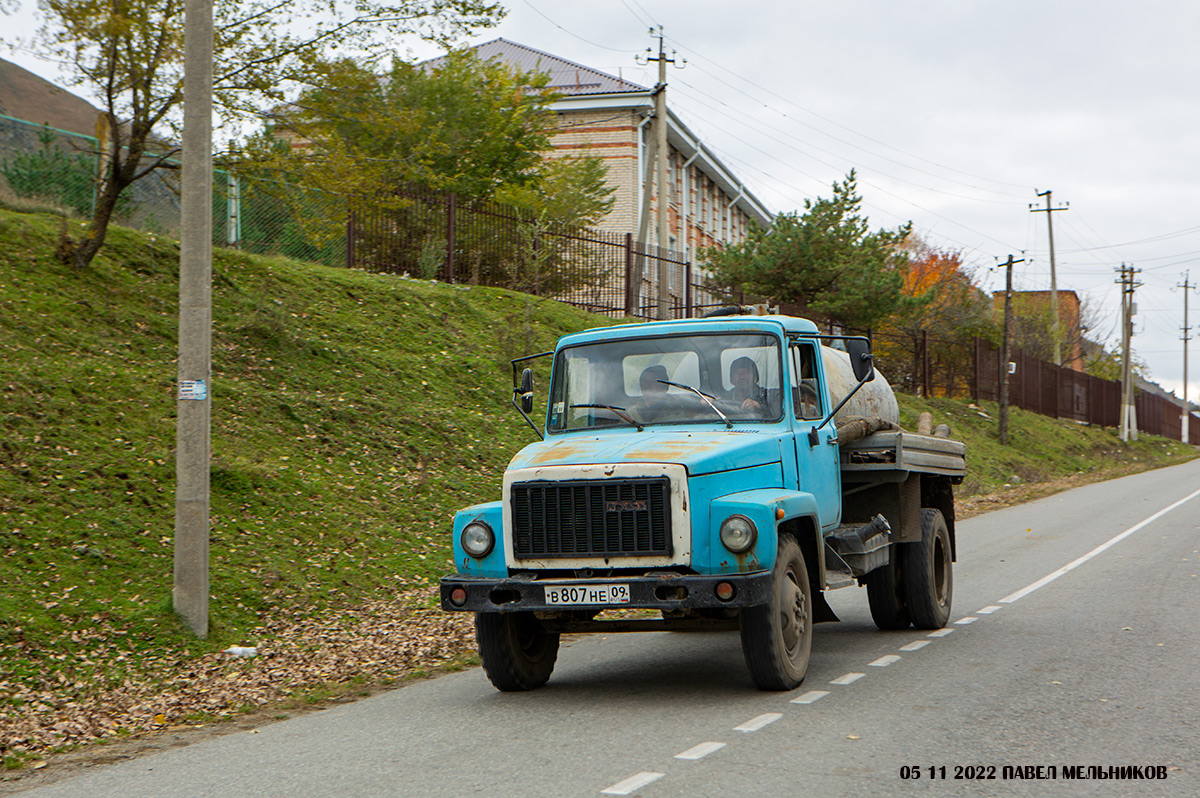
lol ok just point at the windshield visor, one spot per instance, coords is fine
(651, 380)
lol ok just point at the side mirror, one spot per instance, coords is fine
(527, 390)
(860, 359)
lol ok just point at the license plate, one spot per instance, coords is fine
(559, 595)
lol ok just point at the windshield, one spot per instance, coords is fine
(671, 380)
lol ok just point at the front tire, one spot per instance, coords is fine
(928, 581)
(777, 637)
(517, 651)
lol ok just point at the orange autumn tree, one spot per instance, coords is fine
(947, 308)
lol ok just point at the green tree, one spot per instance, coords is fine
(130, 53)
(64, 179)
(463, 125)
(571, 191)
(826, 259)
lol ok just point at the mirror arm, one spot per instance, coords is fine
(842, 403)
(517, 392)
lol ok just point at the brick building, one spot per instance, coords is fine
(599, 114)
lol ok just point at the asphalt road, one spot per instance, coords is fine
(1097, 667)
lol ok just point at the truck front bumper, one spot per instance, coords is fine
(666, 592)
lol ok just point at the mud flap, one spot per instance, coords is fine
(822, 612)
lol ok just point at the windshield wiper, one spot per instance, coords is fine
(616, 411)
(708, 400)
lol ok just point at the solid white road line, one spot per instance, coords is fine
(700, 751)
(754, 724)
(848, 678)
(810, 697)
(883, 662)
(634, 782)
(916, 645)
(1103, 547)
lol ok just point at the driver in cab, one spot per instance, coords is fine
(747, 394)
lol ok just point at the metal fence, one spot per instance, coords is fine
(435, 235)
(421, 233)
(1060, 392)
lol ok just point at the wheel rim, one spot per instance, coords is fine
(941, 572)
(531, 639)
(793, 613)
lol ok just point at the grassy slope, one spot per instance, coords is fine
(352, 414)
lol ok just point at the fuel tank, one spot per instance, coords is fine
(875, 398)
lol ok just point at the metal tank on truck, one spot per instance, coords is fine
(723, 473)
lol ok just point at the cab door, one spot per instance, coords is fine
(818, 469)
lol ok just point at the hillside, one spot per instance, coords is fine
(352, 413)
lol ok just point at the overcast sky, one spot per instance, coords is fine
(954, 112)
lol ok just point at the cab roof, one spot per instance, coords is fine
(779, 325)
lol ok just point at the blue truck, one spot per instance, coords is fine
(706, 474)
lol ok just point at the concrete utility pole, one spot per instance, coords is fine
(1055, 329)
(193, 408)
(662, 155)
(1185, 419)
(1128, 429)
(1004, 348)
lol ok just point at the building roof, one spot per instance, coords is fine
(566, 77)
(24, 95)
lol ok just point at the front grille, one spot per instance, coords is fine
(592, 518)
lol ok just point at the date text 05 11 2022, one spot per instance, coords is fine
(1010, 772)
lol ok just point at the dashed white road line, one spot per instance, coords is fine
(1103, 547)
(700, 751)
(883, 662)
(940, 633)
(916, 645)
(989, 609)
(633, 783)
(754, 724)
(810, 697)
(848, 678)
(967, 620)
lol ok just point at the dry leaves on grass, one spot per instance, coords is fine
(378, 641)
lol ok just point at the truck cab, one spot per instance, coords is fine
(688, 468)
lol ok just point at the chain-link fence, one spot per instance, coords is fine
(59, 170)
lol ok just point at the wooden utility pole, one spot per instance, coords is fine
(193, 402)
(1056, 328)
(1004, 348)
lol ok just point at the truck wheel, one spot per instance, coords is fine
(777, 637)
(928, 581)
(517, 651)
(885, 596)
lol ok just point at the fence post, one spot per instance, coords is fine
(687, 290)
(629, 274)
(975, 369)
(925, 364)
(451, 232)
(350, 237)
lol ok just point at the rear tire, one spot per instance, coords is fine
(777, 637)
(885, 596)
(517, 651)
(928, 581)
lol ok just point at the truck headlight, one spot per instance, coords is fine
(738, 533)
(477, 539)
